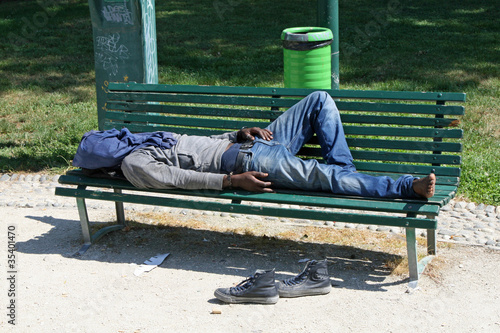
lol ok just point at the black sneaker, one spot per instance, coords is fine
(314, 280)
(258, 288)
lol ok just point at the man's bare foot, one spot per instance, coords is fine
(425, 187)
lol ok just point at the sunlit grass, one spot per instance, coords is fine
(47, 92)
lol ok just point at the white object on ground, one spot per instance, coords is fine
(150, 264)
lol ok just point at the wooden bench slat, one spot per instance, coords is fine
(137, 128)
(423, 109)
(400, 95)
(269, 115)
(445, 189)
(203, 99)
(400, 144)
(195, 110)
(405, 145)
(397, 120)
(181, 121)
(406, 157)
(406, 169)
(207, 122)
(443, 194)
(431, 109)
(403, 132)
(246, 100)
(452, 182)
(391, 156)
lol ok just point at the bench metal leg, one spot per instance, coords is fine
(120, 212)
(84, 220)
(411, 245)
(88, 237)
(417, 267)
(431, 242)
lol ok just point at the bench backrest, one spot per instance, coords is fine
(388, 132)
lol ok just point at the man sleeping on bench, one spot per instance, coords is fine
(260, 160)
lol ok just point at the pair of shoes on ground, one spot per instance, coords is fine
(262, 287)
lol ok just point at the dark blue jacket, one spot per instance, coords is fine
(107, 149)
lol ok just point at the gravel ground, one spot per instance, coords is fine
(98, 292)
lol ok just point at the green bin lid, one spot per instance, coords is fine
(307, 34)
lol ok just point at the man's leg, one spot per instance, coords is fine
(316, 113)
(288, 171)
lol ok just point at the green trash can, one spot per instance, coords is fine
(307, 57)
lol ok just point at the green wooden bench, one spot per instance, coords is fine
(390, 133)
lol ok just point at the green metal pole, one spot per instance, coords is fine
(124, 44)
(328, 17)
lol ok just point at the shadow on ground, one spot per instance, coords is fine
(217, 253)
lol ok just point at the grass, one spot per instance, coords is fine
(47, 93)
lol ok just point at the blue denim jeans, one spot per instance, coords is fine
(317, 113)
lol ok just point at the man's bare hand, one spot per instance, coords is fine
(250, 133)
(250, 181)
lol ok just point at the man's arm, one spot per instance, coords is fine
(231, 136)
(246, 134)
(144, 171)
(248, 181)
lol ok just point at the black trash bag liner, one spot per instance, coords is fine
(305, 46)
